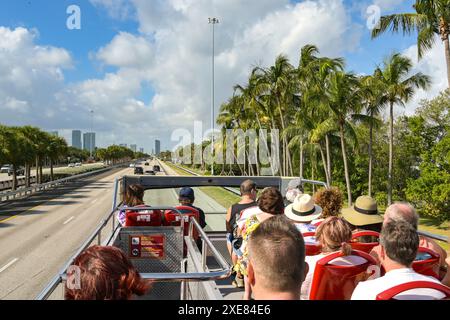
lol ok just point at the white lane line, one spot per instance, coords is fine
(94, 201)
(9, 264)
(68, 220)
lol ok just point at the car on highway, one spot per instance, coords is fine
(138, 170)
(5, 168)
(71, 165)
(147, 164)
(150, 172)
(78, 164)
(157, 168)
(133, 165)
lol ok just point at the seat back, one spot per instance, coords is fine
(429, 264)
(394, 291)
(144, 218)
(311, 248)
(361, 246)
(337, 282)
(172, 218)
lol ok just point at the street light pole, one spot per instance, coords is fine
(213, 21)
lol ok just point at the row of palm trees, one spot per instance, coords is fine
(29, 146)
(318, 102)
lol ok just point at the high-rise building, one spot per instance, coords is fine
(141, 150)
(157, 147)
(133, 147)
(89, 141)
(76, 139)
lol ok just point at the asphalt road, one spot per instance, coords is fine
(39, 235)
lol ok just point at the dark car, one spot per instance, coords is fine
(156, 169)
(19, 171)
(147, 164)
(150, 172)
(138, 170)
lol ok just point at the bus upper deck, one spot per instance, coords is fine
(169, 254)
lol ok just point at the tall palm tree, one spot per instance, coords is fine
(344, 101)
(56, 148)
(432, 17)
(398, 87)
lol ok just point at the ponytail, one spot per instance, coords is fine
(346, 249)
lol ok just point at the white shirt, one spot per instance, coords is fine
(368, 290)
(247, 213)
(312, 260)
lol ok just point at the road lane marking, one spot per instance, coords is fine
(68, 220)
(9, 264)
(94, 201)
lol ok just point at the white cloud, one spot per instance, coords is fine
(432, 64)
(118, 9)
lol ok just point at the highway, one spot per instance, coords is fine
(38, 235)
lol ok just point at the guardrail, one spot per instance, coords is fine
(7, 184)
(9, 195)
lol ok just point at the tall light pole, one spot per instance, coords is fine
(213, 21)
(92, 131)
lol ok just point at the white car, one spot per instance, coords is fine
(5, 168)
(78, 164)
(71, 165)
(132, 165)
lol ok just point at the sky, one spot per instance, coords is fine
(144, 66)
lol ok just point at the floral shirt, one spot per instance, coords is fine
(250, 225)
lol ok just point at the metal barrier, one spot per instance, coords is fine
(225, 272)
(36, 188)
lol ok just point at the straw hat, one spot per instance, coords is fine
(303, 209)
(363, 212)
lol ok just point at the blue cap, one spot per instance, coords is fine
(187, 193)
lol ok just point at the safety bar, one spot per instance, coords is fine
(434, 236)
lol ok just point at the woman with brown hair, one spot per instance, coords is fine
(270, 204)
(134, 197)
(330, 200)
(334, 235)
(105, 273)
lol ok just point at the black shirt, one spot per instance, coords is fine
(236, 210)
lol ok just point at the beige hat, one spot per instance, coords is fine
(363, 212)
(303, 209)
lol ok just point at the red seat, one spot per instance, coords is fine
(312, 249)
(392, 292)
(337, 282)
(143, 218)
(428, 267)
(365, 247)
(172, 218)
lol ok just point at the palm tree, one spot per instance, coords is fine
(398, 88)
(13, 148)
(56, 148)
(344, 101)
(432, 18)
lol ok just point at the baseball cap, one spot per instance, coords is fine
(187, 192)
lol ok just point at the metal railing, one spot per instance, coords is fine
(9, 195)
(225, 272)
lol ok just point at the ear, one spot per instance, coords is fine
(305, 273)
(251, 274)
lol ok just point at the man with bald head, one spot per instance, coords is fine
(403, 211)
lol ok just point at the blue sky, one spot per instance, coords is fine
(133, 51)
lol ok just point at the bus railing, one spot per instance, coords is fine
(223, 273)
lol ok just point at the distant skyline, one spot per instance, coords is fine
(143, 78)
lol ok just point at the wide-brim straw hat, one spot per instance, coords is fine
(363, 212)
(303, 209)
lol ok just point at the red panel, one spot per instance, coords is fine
(312, 249)
(429, 267)
(361, 246)
(147, 218)
(172, 218)
(336, 282)
(392, 292)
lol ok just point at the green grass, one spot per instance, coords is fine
(222, 197)
(78, 170)
(436, 227)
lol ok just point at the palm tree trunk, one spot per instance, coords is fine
(327, 146)
(391, 152)
(41, 176)
(51, 170)
(324, 162)
(370, 157)
(301, 158)
(344, 157)
(447, 58)
(14, 185)
(27, 175)
(37, 170)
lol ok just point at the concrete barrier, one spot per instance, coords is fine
(7, 184)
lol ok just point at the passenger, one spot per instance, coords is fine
(364, 215)
(248, 197)
(270, 203)
(106, 274)
(402, 211)
(293, 190)
(330, 200)
(333, 234)
(134, 197)
(446, 279)
(276, 260)
(302, 212)
(399, 244)
(187, 198)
